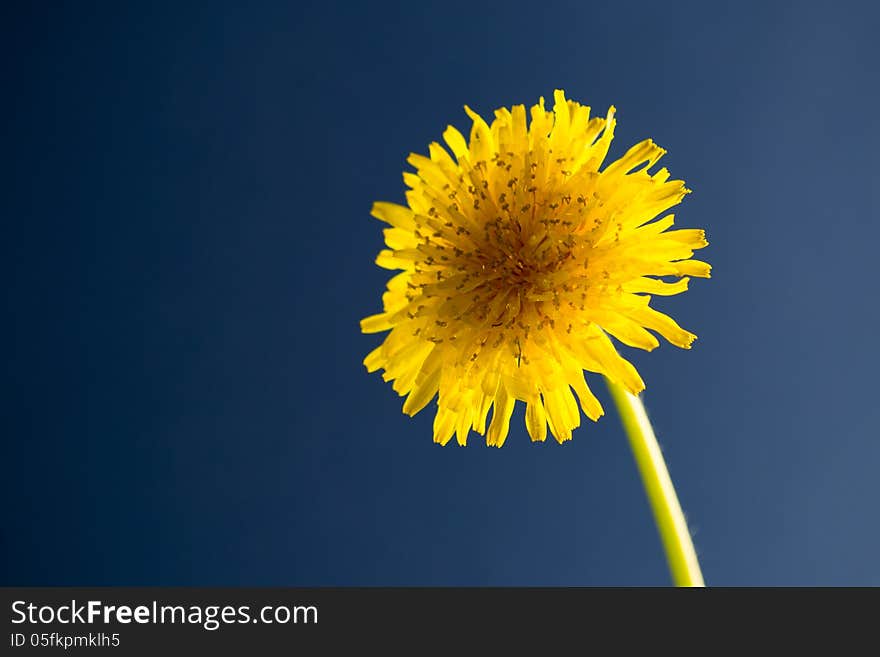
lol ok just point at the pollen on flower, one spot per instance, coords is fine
(519, 257)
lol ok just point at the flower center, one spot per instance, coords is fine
(513, 277)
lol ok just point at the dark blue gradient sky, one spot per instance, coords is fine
(187, 251)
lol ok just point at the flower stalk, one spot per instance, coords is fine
(670, 520)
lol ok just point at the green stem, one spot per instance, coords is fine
(670, 520)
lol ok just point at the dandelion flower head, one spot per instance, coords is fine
(520, 254)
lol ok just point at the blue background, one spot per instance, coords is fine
(187, 251)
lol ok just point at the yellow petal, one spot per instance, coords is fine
(422, 393)
(456, 143)
(501, 413)
(375, 323)
(696, 268)
(444, 425)
(536, 420)
(654, 286)
(664, 325)
(394, 214)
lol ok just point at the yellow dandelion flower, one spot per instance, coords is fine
(520, 255)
